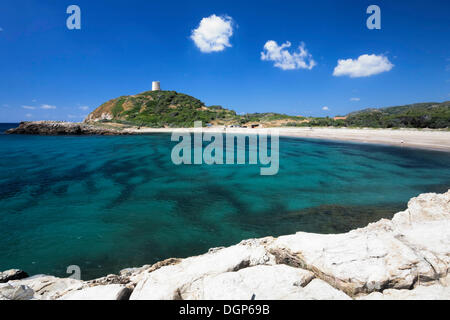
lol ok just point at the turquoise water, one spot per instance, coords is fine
(107, 203)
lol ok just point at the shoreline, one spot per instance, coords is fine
(407, 138)
(425, 139)
(407, 257)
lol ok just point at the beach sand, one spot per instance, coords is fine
(410, 138)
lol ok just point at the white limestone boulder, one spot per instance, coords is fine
(424, 208)
(108, 292)
(318, 289)
(15, 292)
(414, 246)
(49, 287)
(166, 282)
(440, 290)
(260, 283)
(425, 228)
(357, 261)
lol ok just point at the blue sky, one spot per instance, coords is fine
(51, 72)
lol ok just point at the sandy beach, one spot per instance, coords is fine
(410, 138)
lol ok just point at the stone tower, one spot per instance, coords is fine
(156, 86)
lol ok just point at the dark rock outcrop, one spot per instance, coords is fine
(61, 128)
(13, 274)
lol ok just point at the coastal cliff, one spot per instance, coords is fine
(407, 257)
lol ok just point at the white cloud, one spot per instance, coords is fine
(286, 60)
(355, 99)
(365, 66)
(28, 115)
(47, 107)
(84, 108)
(213, 33)
(29, 107)
(325, 108)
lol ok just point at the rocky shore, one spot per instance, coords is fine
(407, 257)
(61, 128)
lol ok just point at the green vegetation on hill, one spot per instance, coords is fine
(319, 122)
(173, 109)
(161, 108)
(267, 117)
(420, 115)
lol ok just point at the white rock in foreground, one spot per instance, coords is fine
(438, 291)
(108, 292)
(413, 247)
(19, 292)
(49, 287)
(320, 290)
(168, 282)
(280, 282)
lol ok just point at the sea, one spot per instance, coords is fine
(105, 203)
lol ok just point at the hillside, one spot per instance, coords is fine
(170, 109)
(419, 115)
(159, 109)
